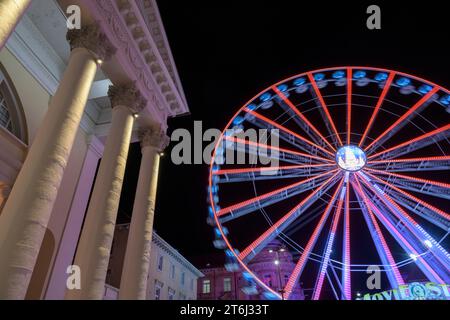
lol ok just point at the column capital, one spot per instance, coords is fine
(93, 39)
(127, 95)
(153, 137)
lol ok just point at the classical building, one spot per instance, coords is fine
(274, 265)
(170, 276)
(69, 98)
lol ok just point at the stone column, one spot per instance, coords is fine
(10, 13)
(133, 284)
(27, 211)
(96, 238)
(72, 230)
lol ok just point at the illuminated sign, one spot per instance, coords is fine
(413, 291)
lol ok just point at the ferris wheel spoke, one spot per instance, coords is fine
(287, 134)
(330, 123)
(393, 274)
(299, 267)
(346, 292)
(239, 209)
(386, 88)
(250, 251)
(425, 186)
(349, 103)
(414, 144)
(270, 173)
(330, 242)
(262, 150)
(409, 244)
(401, 122)
(412, 164)
(422, 208)
(305, 124)
(425, 240)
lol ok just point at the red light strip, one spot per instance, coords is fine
(275, 226)
(424, 136)
(424, 99)
(276, 125)
(434, 183)
(269, 194)
(443, 158)
(304, 119)
(403, 240)
(349, 103)
(312, 240)
(265, 146)
(378, 106)
(263, 169)
(397, 275)
(324, 106)
(442, 213)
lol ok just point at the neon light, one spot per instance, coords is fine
(440, 212)
(413, 109)
(403, 214)
(422, 137)
(326, 259)
(387, 251)
(312, 241)
(268, 194)
(434, 183)
(265, 146)
(442, 158)
(274, 227)
(264, 169)
(291, 105)
(346, 268)
(349, 103)
(324, 106)
(378, 106)
(276, 125)
(394, 230)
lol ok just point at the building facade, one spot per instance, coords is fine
(70, 97)
(170, 276)
(274, 265)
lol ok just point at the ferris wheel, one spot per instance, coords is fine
(358, 176)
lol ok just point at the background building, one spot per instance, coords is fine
(274, 265)
(170, 276)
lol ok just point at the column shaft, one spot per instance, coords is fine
(25, 216)
(133, 284)
(10, 13)
(96, 239)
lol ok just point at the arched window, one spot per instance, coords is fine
(11, 112)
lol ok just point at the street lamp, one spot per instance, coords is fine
(277, 262)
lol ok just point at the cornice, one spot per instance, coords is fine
(137, 52)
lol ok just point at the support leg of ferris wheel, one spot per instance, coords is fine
(392, 272)
(404, 239)
(415, 229)
(346, 274)
(330, 242)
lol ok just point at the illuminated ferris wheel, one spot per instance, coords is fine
(361, 178)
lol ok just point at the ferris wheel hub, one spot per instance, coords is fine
(351, 158)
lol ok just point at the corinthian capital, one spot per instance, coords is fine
(127, 95)
(91, 38)
(154, 137)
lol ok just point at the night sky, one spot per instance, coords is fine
(226, 52)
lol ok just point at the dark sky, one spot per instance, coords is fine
(226, 52)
